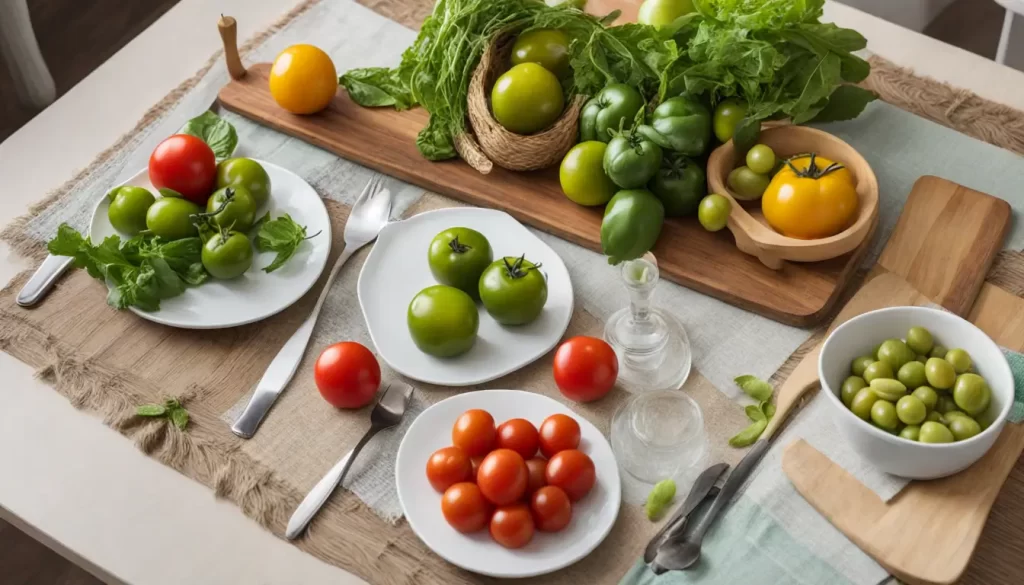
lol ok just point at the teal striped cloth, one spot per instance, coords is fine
(1016, 362)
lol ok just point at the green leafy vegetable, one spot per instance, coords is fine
(756, 388)
(760, 414)
(171, 409)
(214, 131)
(660, 497)
(281, 235)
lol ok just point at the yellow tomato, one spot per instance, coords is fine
(303, 79)
(811, 197)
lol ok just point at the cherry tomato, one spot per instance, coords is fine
(558, 432)
(572, 471)
(465, 508)
(474, 432)
(551, 508)
(535, 468)
(347, 375)
(447, 467)
(503, 476)
(585, 368)
(475, 462)
(512, 526)
(519, 435)
(186, 164)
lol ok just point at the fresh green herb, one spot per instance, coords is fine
(214, 131)
(756, 388)
(141, 271)
(749, 435)
(754, 412)
(171, 409)
(760, 414)
(281, 235)
(660, 497)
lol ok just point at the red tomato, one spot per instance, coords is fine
(519, 435)
(512, 526)
(475, 462)
(347, 375)
(186, 164)
(465, 508)
(551, 508)
(474, 432)
(572, 471)
(502, 476)
(535, 467)
(447, 467)
(585, 368)
(558, 432)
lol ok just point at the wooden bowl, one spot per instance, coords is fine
(753, 234)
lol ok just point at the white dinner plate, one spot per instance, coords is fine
(255, 295)
(592, 517)
(397, 269)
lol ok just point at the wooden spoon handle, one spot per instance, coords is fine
(803, 379)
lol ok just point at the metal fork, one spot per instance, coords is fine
(369, 215)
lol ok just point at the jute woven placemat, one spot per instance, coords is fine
(108, 362)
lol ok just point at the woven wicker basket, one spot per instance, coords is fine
(507, 149)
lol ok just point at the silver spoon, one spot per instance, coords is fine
(386, 413)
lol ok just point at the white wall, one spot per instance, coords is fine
(912, 14)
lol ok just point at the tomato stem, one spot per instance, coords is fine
(812, 171)
(458, 247)
(515, 269)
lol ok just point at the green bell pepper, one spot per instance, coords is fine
(631, 160)
(631, 225)
(682, 124)
(680, 184)
(613, 108)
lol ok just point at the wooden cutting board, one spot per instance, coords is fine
(940, 251)
(384, 140)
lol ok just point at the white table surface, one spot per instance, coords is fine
(84, 489)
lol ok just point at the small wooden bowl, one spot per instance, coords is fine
(753, 234)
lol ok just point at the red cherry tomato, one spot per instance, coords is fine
(474, 432)
(186, 164)
(536, 468)
(503, 476)
(585, 368)
(465, 508)
(519, 435)
(447, 467)
(572, 471)
(512, 526)
(475, 462)
(558, 432)
(551, 509)
(347, 375)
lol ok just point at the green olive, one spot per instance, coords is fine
(920, 340)
(896, 353)
(860, 364)
(911, 432)
(972, 394)
(922, 358)
(933, 416)
(912, 375)
(938, 351)
(940, 374)
(959, 359)
(874, 350)
(877, 370)
(949, 416)
(862, 403)
(886, 389)
(964, 427)
(986, 418)
(945, 404)
(883, 414)
(926, 395)
(933, 432)
(851, 386)
(911, 410)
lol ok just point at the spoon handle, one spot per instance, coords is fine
(732, 485)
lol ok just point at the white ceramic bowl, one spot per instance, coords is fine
(888, 452)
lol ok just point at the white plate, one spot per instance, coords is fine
(592, 517)
(397, 269)
(255, 295)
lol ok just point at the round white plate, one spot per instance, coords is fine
(255, 295)
(592, 517)
(397, 269)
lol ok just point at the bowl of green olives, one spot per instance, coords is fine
(918, 392)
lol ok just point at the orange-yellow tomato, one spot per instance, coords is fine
(303, 79)
(813, 198)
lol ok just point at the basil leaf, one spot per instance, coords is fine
(845, 103)
(768, 409)
(377, 86)
(151, 410)
(215, 131)
(754, 412)
(756, 388)
(179, 416)
(749, 435)
(281, 235)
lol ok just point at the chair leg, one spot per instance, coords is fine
(1004, 37)
(20, 51)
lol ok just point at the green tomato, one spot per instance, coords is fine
(940, 373)
(631, 224)
(746, 184)
(128, 207)
(851, 386)
(911, 410)
(912, 374)
(170, 218)
(227, 254)
(458, 256)
(245, 172)
(443, 321)
(933, 432)
(728, 115)
(232, 208)
(527, 98)
(713, 212)
(513, 290)
(877, 370)
(883, 414)
(964, 427)
(972, 394)
(927, 395)
(613, 107)
(862, 403)
(911, 432)
(582, 174)
(959, 359)
(662, 12)
(680, 184)
(920, 340)
(860, 364)
(896, 353)
(761, 159)
(630, 160)
(545, 47)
